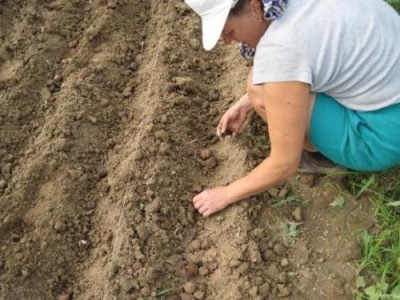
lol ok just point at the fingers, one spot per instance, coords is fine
(221, 128)
(202, 210)
(201, 206)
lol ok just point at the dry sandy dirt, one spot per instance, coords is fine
(106, 107)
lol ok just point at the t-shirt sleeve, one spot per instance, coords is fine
(280, 61)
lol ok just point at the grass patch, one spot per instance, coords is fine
(379, 269)
(395, 4)
(289, 232)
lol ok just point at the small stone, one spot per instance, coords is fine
(105, 102)
(253, 292)
(59, 226)
(284, 262)
(189, 287)
(134, 66)
(7, 170)
(254, 253)
(154, 206)
(185, 296)
(3, 184)
(279, 249)
(272, 271)
(268, 255)
(111, 143)
(186, 84)
(25, 273)
(205, 154)
(273, 192)
(92, 119)
(195, 245)
(127, 92)
(203, 271)
(145, 292)
(283, 193)
(194, 258)
(58, 78)
(161, 135)
(234, 263)
(142, 232)
(284, 291)
(164, 148)
(264, 290)
(244, 267)
(196, 188)
(191, 270)
(199, 295)
(102, 173)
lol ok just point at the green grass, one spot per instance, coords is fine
(395, 4)
(379, 269)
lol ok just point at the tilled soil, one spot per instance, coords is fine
(107, 127)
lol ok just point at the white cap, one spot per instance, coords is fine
(214, 14)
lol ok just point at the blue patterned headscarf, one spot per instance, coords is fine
(273, 9)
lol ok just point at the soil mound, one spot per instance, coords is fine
(107, 128)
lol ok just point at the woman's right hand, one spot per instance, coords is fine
(233, 119)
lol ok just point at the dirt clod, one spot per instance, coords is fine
(186, 84)
(60, 226)
(199, 295)
(189, 287)
(205, 154)
(297, 214)
(143, 232)
(253, 292)
(145, 292)
(284, 262)
(264, 289)
(279, 249)
(3, 184)
(191, 270)
(185, 296)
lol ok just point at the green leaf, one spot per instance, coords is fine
(338, 202)
(372, 293)
(394, 203)
(366, 185)
(360, 282)
(396, 292)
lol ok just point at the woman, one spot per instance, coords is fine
(326, 77)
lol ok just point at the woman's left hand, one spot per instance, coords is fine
(211, 201)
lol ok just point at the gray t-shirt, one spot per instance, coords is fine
(347, 49)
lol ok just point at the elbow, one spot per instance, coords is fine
(289, 170)
(285, 167)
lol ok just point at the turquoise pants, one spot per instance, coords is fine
(363, 141)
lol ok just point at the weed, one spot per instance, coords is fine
(164, 292)
(289, 232)
(338, 202)
(379, 268)
(288, 200)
